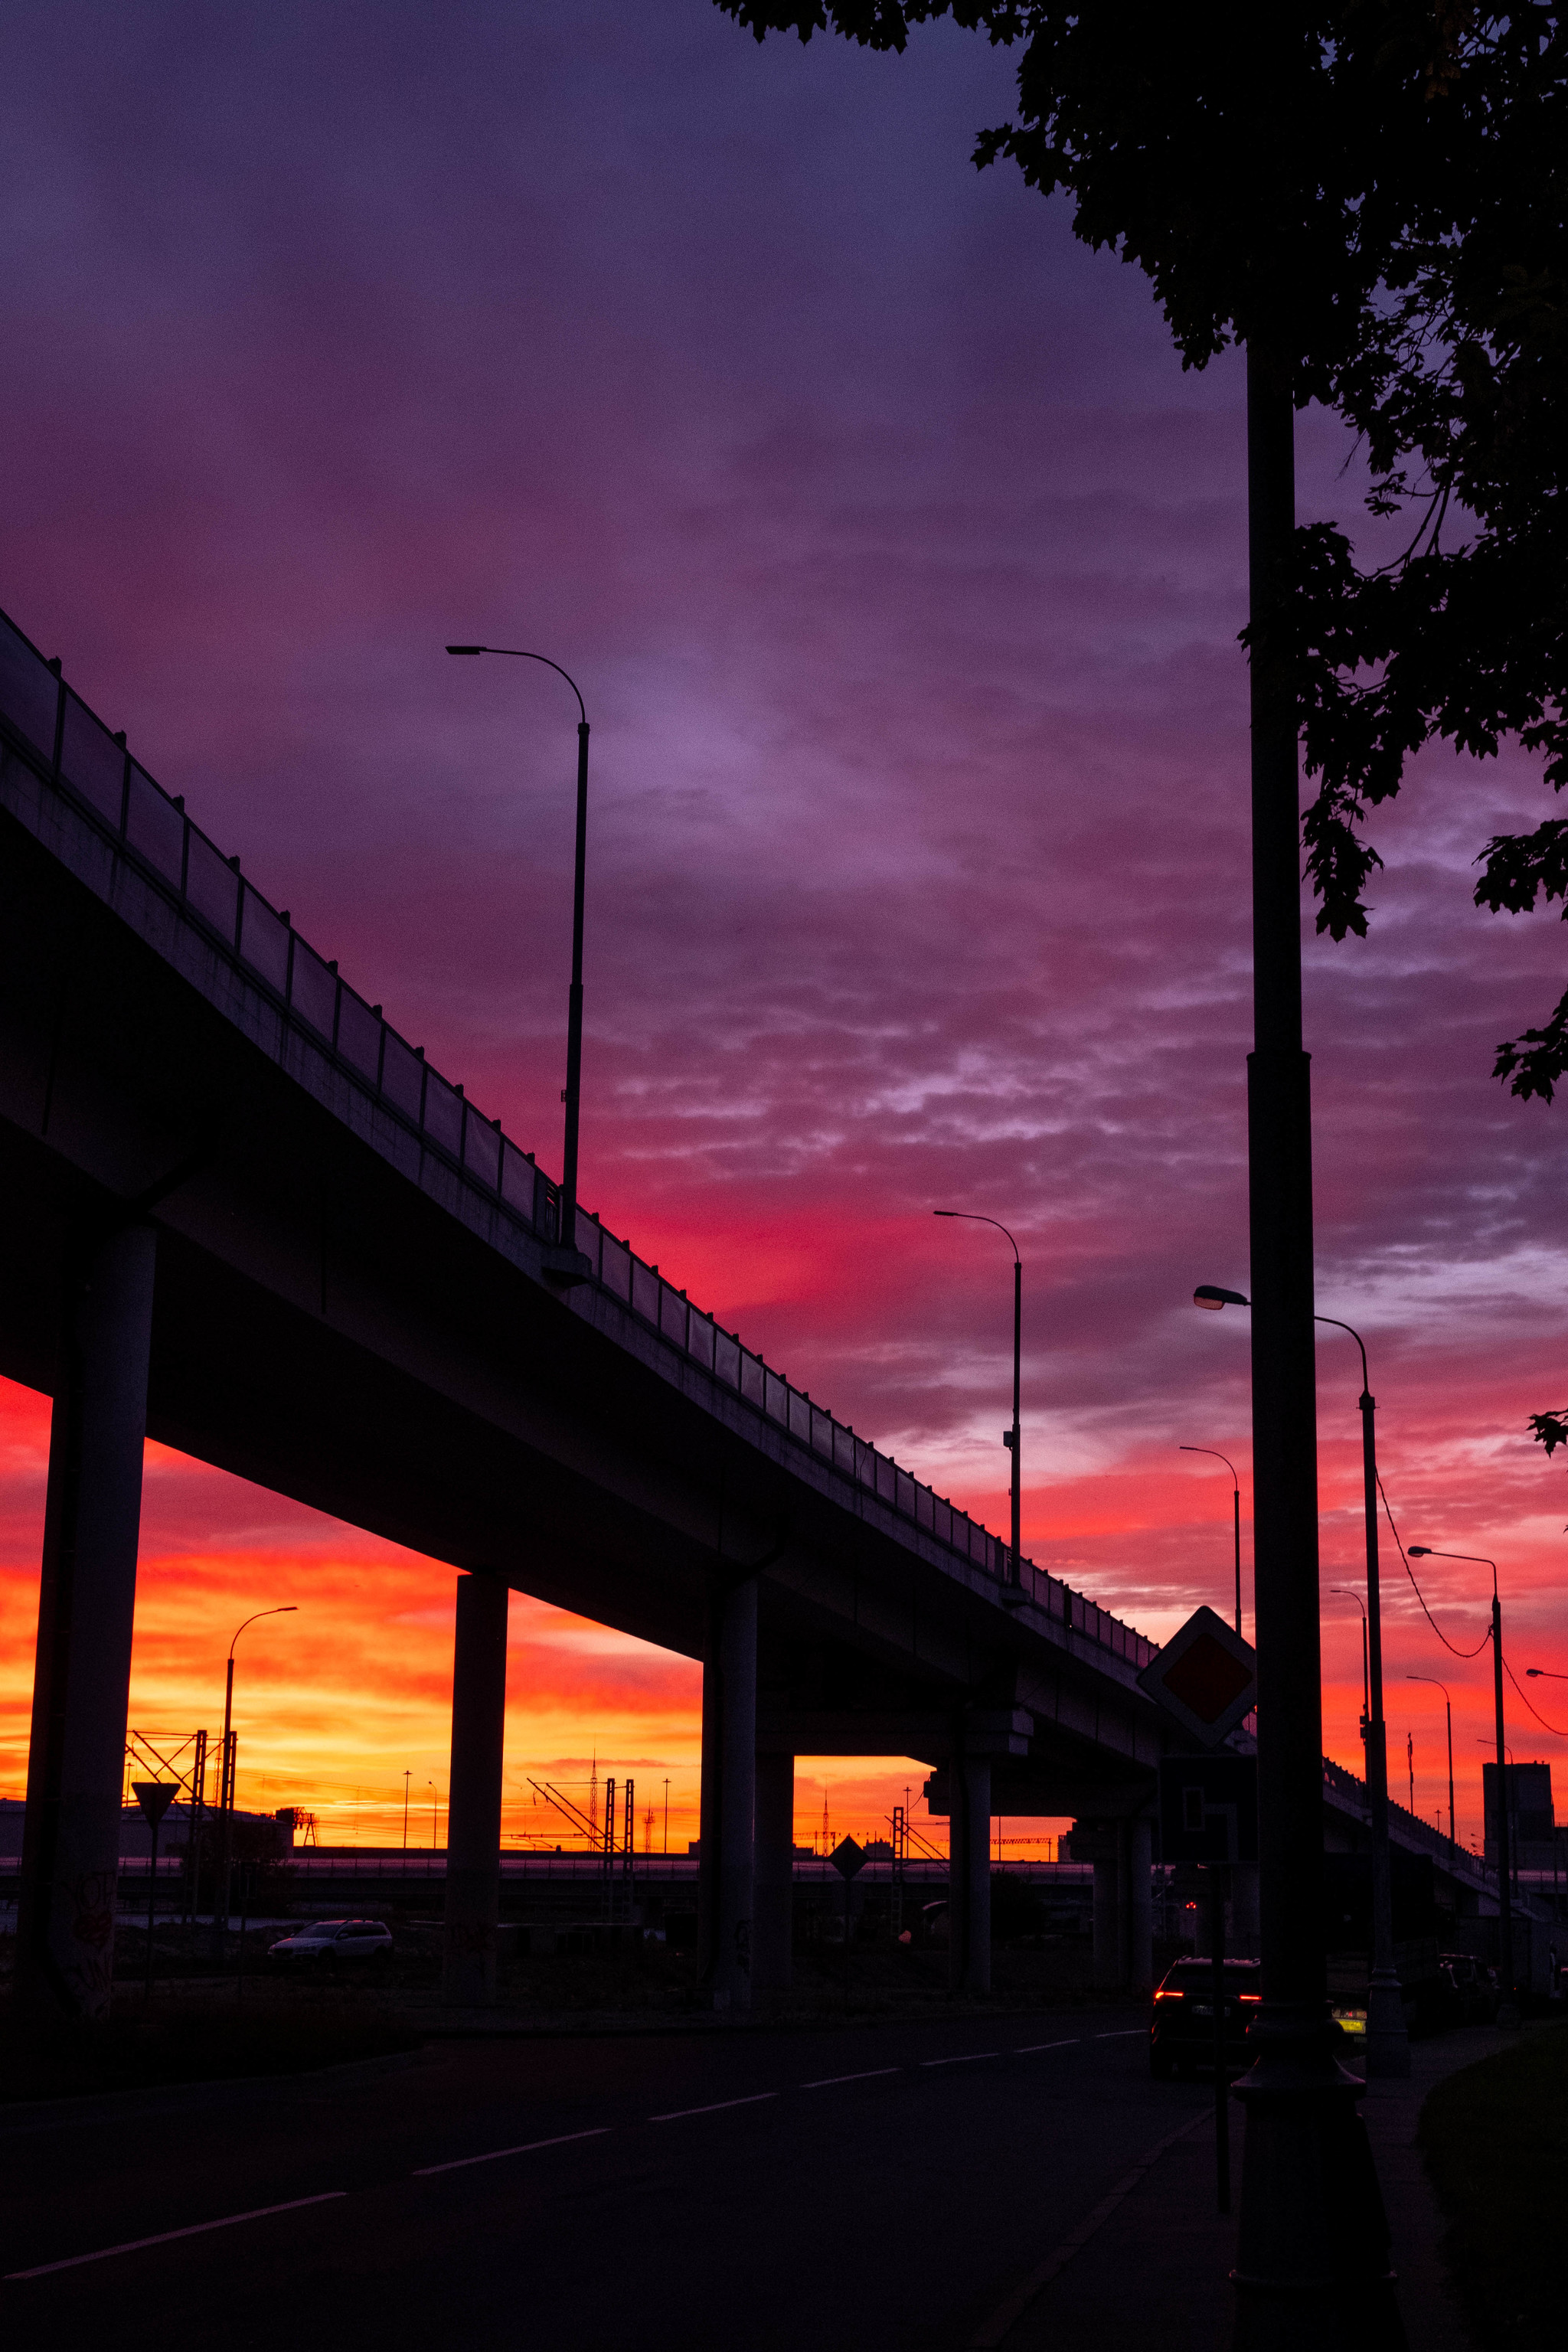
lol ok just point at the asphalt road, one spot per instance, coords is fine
(871, 2189)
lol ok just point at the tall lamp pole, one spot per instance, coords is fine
(1348, 1593)
(1235, 1500)
(1449, 1711)
(406, 1777)
(570, 1265)
(225, 1777)
(1010, 1437)
(1387, 2037)
(1508, 2008)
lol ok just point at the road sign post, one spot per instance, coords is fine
(848, 1860)
(155, 1797)
(1208, 1814)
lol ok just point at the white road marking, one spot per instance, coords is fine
(165, 2237)
(964, 2058)
(1024, 2048)
(493, 2156)
(827, 2080)
(677, 2114)
(1123, 2034)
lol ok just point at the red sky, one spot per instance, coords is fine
(901, 567)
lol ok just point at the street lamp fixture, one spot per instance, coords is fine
(1387, 2037)
(1235, 1501)
(1532, 1671)
(1448, 1710)
(1348, 1593)
(1507, 2009)
(567, 1266)
(225, 1776)
(1013, 1590)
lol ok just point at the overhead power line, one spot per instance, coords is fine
(1420, 1596)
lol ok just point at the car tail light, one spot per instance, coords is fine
(1251, 1996)
(1170, 1996)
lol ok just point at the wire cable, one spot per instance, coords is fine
(1541, 1719)
(1420, 1596)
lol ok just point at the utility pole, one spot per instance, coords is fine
(1305, 2266)
(406, 1780)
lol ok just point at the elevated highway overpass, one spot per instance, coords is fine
(249, 1217)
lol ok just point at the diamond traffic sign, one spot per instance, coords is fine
(1206, 1676)
(848, 1857)
(155, 1797)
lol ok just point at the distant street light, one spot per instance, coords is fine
(226, 1774)
(1235, 1500)
(1349, 1594)
(1507, 2010)
(1448, 1710)
(406, 1777)
(434, 1802)
(566, 1269)
(1010, 1437)
(1387, 2037)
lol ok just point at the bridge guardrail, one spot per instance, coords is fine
(69, 747)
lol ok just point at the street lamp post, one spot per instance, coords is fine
(406, 1777)
(1236, 1502)
(569, 1264)
(1387, 2037)
(1010, 1437)
(1348, 1593)
(1449, 1711)
(435, 1801)
(226, 1778)
(1508, 2008)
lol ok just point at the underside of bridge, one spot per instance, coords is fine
(320, 1324)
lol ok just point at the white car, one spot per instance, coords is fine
(331, 1944)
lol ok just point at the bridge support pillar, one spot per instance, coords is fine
(725, 1873)
(774, 1943)
(1110, 1911)
(1246, 1939)
(969, 1875)
(474, 1792)
(92, 1512)
(1140, 1907)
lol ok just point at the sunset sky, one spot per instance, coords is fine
(900, 567)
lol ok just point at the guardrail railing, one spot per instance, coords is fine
(69, 747)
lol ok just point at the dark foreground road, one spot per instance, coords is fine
(881, 2189)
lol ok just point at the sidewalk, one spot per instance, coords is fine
(1152, 2266)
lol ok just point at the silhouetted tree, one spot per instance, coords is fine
(1376, 190)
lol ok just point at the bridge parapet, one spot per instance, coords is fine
(83, 767)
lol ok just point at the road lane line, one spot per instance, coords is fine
(1122, 2033)
(1026, 2048)
(166, 2237)
(995, 2330)
(493, 2156)
(677, 2115)
(964, 2058)
(827, 2080)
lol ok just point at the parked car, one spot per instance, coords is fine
(1473, 1989)
(328, 1944)
(1181, 2031)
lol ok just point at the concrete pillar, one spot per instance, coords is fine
(92, 1511)
(1245, 1941)
(1109, 1875)
(969, 1875)
(729, 1796)
(773, 1939)
(1140, 1908)
(474, 1792)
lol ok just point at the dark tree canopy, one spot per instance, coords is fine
(1373, 195)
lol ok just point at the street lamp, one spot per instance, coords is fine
(1236, 1499)
(568, 1266)
(1507, 2009)
(1348, 1593)
(1531, 1672)
(434, 1802)
(1448, 1710)
(1387, 2037)
(1014, 1590)
(226, 1773)
(406, 1777)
